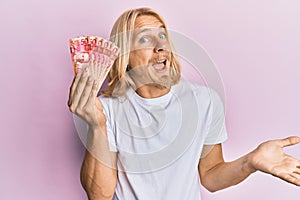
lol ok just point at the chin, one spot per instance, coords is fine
(161, 77)
(160, 85)
(162, 82)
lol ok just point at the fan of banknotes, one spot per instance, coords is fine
(96, 50)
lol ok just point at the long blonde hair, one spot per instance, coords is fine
(118, 80)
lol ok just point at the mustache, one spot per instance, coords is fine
(161, 56)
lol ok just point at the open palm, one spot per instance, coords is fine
(270, 158)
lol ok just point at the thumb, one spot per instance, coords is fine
(98, 104)
(292, 140)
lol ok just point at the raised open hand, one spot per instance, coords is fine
(270, 158)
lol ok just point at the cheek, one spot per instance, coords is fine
(140, 57)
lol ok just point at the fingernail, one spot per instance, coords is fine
(78, 70)
(84, 74)
(90, 79)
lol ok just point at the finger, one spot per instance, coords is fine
(289, 178)
(294, 175)
(297, 172)
(295, 178)
(98, 66)
(93, 68)
(297, 182)
(90, 67)
(74, 85)
(97, 71)
(93, 94)
(289, 141)
(98, 104)
(86, 92)
(78, 90)
(86, 67)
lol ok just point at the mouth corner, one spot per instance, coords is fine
(165, 62)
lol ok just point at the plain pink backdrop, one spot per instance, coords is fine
(255, 45)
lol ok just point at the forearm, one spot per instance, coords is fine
(227, 174)
(98, 172)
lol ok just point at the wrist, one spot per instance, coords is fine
(95, 137)
(250, 162)
(96, 133)
(97, 129)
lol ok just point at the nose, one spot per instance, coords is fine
(160, 46)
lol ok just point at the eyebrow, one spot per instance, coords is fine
(149, 29)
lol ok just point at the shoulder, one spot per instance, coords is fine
(111, 104)
(201, 92)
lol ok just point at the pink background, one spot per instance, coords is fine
(255, 45)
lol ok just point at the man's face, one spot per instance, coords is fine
(150, 52)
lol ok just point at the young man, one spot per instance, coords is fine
(154, 136)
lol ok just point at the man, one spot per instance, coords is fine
(152, 135)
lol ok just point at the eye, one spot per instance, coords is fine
(162, 36)
(144, 40)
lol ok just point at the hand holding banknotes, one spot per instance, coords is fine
(92, 58)
(83, 99)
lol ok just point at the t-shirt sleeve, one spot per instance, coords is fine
(109, 127)
(217, 132)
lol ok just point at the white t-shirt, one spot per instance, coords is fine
(159, 140)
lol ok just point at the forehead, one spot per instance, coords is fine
(147, 21)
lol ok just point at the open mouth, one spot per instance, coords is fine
(163, 61)
(160, 65)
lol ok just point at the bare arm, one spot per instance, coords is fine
(98, 172)
(216, 174)
(268, 157)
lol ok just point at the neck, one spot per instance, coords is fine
(152, 91)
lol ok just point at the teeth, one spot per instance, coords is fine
(161, 61)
